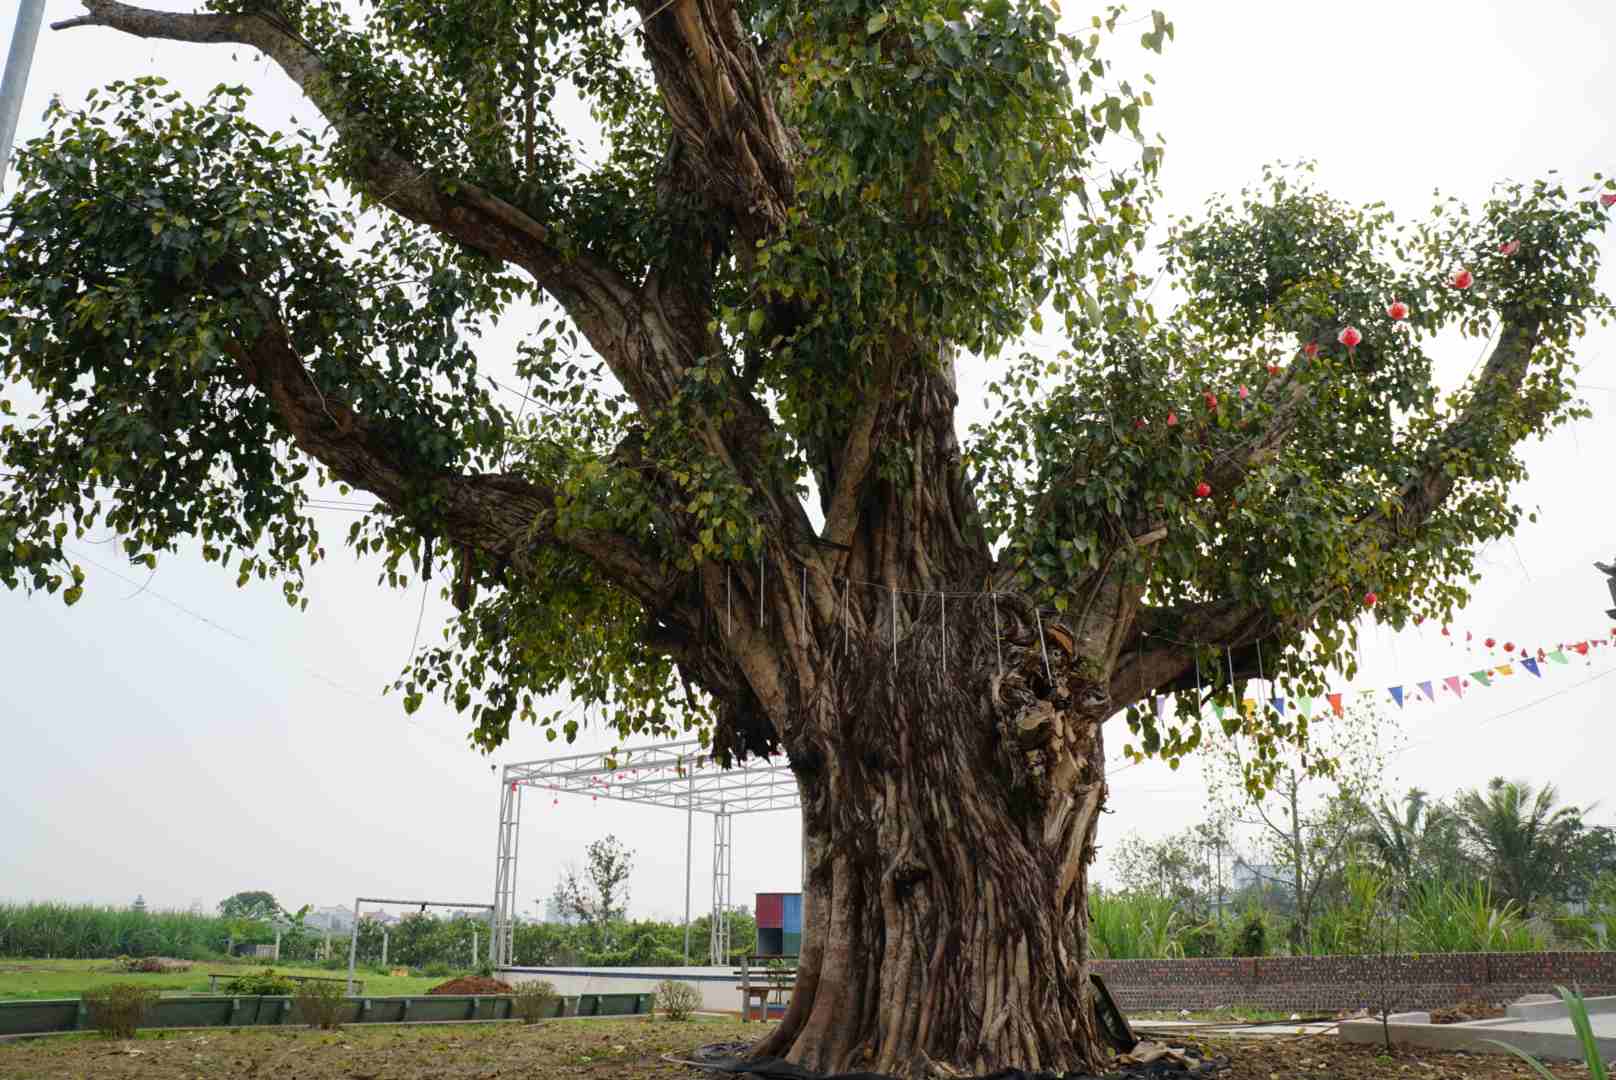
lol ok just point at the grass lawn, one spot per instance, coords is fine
(70, 978)
(607, 1050)
(586, 1049)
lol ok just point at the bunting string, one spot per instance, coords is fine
(1516, 660)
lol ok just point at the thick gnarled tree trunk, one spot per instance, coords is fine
(949, 816)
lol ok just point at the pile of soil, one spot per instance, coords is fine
(1466, 1011)
(471, 984)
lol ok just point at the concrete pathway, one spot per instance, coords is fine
(1540, 1026)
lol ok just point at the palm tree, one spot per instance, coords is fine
(1418, 840)
(1523, 837)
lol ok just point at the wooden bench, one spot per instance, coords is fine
(767, 981)
(215, 976)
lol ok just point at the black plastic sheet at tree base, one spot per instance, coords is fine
(1177, 1064)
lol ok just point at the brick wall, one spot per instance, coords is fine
(1330, 983)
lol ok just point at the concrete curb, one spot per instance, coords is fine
(1414, 1029)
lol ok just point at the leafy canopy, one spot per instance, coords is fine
(936, 184)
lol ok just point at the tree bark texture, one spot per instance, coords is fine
(950, 811)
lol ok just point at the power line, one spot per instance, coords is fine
(223, 629)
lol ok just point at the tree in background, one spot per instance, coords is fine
(1525, 842)
(1420, 841)
(735, 494)
(1178, 867)
(255, 905)
(1306, 810)
(598, 896)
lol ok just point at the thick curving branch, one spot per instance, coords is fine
(719, 100)
(499, 514)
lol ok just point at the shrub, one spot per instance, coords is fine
(319, 1004)
(1445, 917)
(118, 1008)
(260, 983)
(677, 999)
(438, 971)
(1251, 938)
(151, 964)
(532, 1000)
(1133, 926)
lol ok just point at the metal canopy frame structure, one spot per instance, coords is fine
(353, 933)
(679, 775)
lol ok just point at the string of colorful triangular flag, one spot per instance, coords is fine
(1404, 693)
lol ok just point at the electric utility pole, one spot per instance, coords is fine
(30, 14)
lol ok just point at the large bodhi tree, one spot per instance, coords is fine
(738, 496)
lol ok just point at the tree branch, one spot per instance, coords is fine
(500, 514)
(719, 101)
(597, 298)
(1162, 651)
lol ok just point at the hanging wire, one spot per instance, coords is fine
(998, 650)
(1038, 619)
(847, 618)
(894, 633)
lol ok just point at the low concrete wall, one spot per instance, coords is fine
(33, 1017)
(717, 985)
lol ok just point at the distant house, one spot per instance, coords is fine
(1246, 875)
(335, 919)
(380, 917)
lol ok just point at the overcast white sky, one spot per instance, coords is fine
(194, 740)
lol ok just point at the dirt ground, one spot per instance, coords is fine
(606, 1050)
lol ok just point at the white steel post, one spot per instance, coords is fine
(690, 826)
(30, 13)
(353, 945)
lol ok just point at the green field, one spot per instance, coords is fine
(70, 978)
